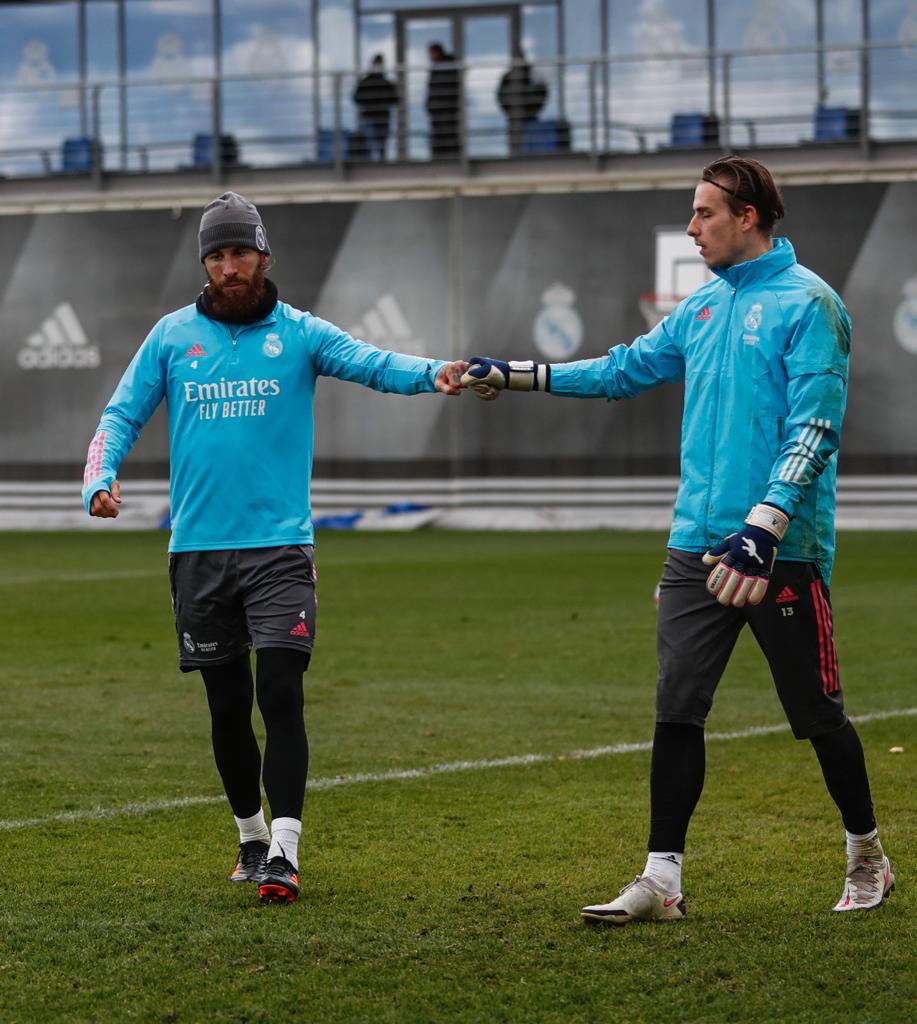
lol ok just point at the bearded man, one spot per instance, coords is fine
(238, 370)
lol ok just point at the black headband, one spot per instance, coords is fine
(731, 191)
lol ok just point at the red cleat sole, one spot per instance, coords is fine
(276, 894)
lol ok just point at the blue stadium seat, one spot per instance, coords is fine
(77, 155)
(202, 150)
(327, 145)
(546, 136)
(836, 124)
(694, 130)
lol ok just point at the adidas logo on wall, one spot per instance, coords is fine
(59, 344)
(385, 325)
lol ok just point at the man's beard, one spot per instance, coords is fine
(238, 302)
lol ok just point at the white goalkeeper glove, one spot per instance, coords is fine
(744, 560)
(488, 377)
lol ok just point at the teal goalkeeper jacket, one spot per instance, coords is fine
(763, 351)
(240, 419)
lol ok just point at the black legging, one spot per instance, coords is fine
(230, 694)
(676, 782)
(677, 779)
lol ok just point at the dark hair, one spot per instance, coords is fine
(378, 59)
(747, 183)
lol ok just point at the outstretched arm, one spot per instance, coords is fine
(338, 354)
(626, 371)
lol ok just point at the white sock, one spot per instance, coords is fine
(864, 846)
(254, 827)
(665, 869)
(285, 839)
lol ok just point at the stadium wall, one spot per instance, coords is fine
(555, 276)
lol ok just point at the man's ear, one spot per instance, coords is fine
(750, 217)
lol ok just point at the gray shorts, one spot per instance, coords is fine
(793, 626)
(227, 601)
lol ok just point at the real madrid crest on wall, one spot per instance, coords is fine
(906, 318)
(558, 329)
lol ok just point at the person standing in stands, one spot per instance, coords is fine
(521, 98)
(443, 104)
(374, 97)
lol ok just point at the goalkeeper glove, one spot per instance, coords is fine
(488, 377)
(744, 560)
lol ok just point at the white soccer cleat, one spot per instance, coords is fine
(867, 885)
(642, 900)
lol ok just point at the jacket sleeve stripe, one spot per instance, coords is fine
(805, 450)
(94, 459)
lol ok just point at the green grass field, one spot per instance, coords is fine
(453, 896)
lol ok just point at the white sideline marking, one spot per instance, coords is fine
(135, 810)
(83, 577)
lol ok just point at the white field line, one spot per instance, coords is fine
(84, 577)
(518, 760)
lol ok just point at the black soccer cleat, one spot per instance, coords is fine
(251, 862)
(280, 882)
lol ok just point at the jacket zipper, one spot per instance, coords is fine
(716, 416)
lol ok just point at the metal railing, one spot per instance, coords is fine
(752, 98)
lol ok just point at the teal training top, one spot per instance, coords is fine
(240, 403)
(763, 351)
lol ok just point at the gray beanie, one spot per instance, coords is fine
(231, 220)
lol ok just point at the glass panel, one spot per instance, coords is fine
(38, 44)
(336, 27)
(646, 94)
(843, 24)
(773, 99)
(893, 71)
(582, 28)
(377, 35)
(407, 5)
(169, 38)
(488, 46)
(271, 116)
(102, 39)
(38, 52)
(766, 24)
(657, 26)
(539, 42)
(539, 32)
(843, 21)
(102, 61)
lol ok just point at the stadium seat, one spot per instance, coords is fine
(78, 155)
(202, 150)
(546, 136)
(836, 124)
(691, 131)
(353, 145)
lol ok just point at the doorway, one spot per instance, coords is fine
(489, 36)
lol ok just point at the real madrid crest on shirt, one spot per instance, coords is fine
(558, 330)
(272, 346)
(753, 318)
